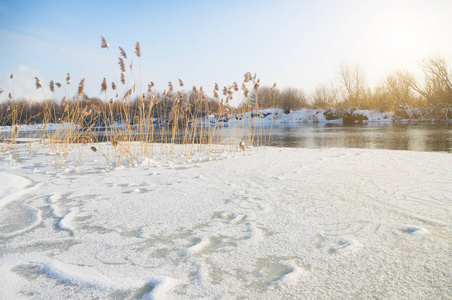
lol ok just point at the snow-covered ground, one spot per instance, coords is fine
(272, 224)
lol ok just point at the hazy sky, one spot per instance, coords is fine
(293, 43)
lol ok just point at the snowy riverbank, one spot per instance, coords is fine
(267, 117)
(273, 224)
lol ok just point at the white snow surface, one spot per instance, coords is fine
(272, 224)
(37, 127)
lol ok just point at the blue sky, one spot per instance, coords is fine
(293, 43)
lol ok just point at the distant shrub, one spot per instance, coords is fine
(332, 114)
(349, 116)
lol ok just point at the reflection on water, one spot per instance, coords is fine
(405, 136)
(414, 137)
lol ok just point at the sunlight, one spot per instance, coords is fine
(397, 32)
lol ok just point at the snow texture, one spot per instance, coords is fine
(273, 223)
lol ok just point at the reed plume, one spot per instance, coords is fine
(246, 92)
(247, 77)
(123, 78)
(123, 53)
(68, 79)
(181, 83)
(52, 86)
(58, 84)
(11, 76)
(256, 86)
(81, 87)
(129, 92)
(113, 86)
(103, 86)
(38, 83)
(137, 49)
(104, 43)
(122, 65)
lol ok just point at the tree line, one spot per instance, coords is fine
(399, 90)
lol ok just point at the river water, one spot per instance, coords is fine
(402, 136)
(394, 136)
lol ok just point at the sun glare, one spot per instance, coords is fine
(398, 40)
(396, 32)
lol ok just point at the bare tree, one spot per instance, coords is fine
(399, 87)
(267, 96)
(437, 86)
(325, 97)
(292, 98)
(354, 85)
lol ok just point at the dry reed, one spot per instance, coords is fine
(134, 127)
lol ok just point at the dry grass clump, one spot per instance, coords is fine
(140, 124)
